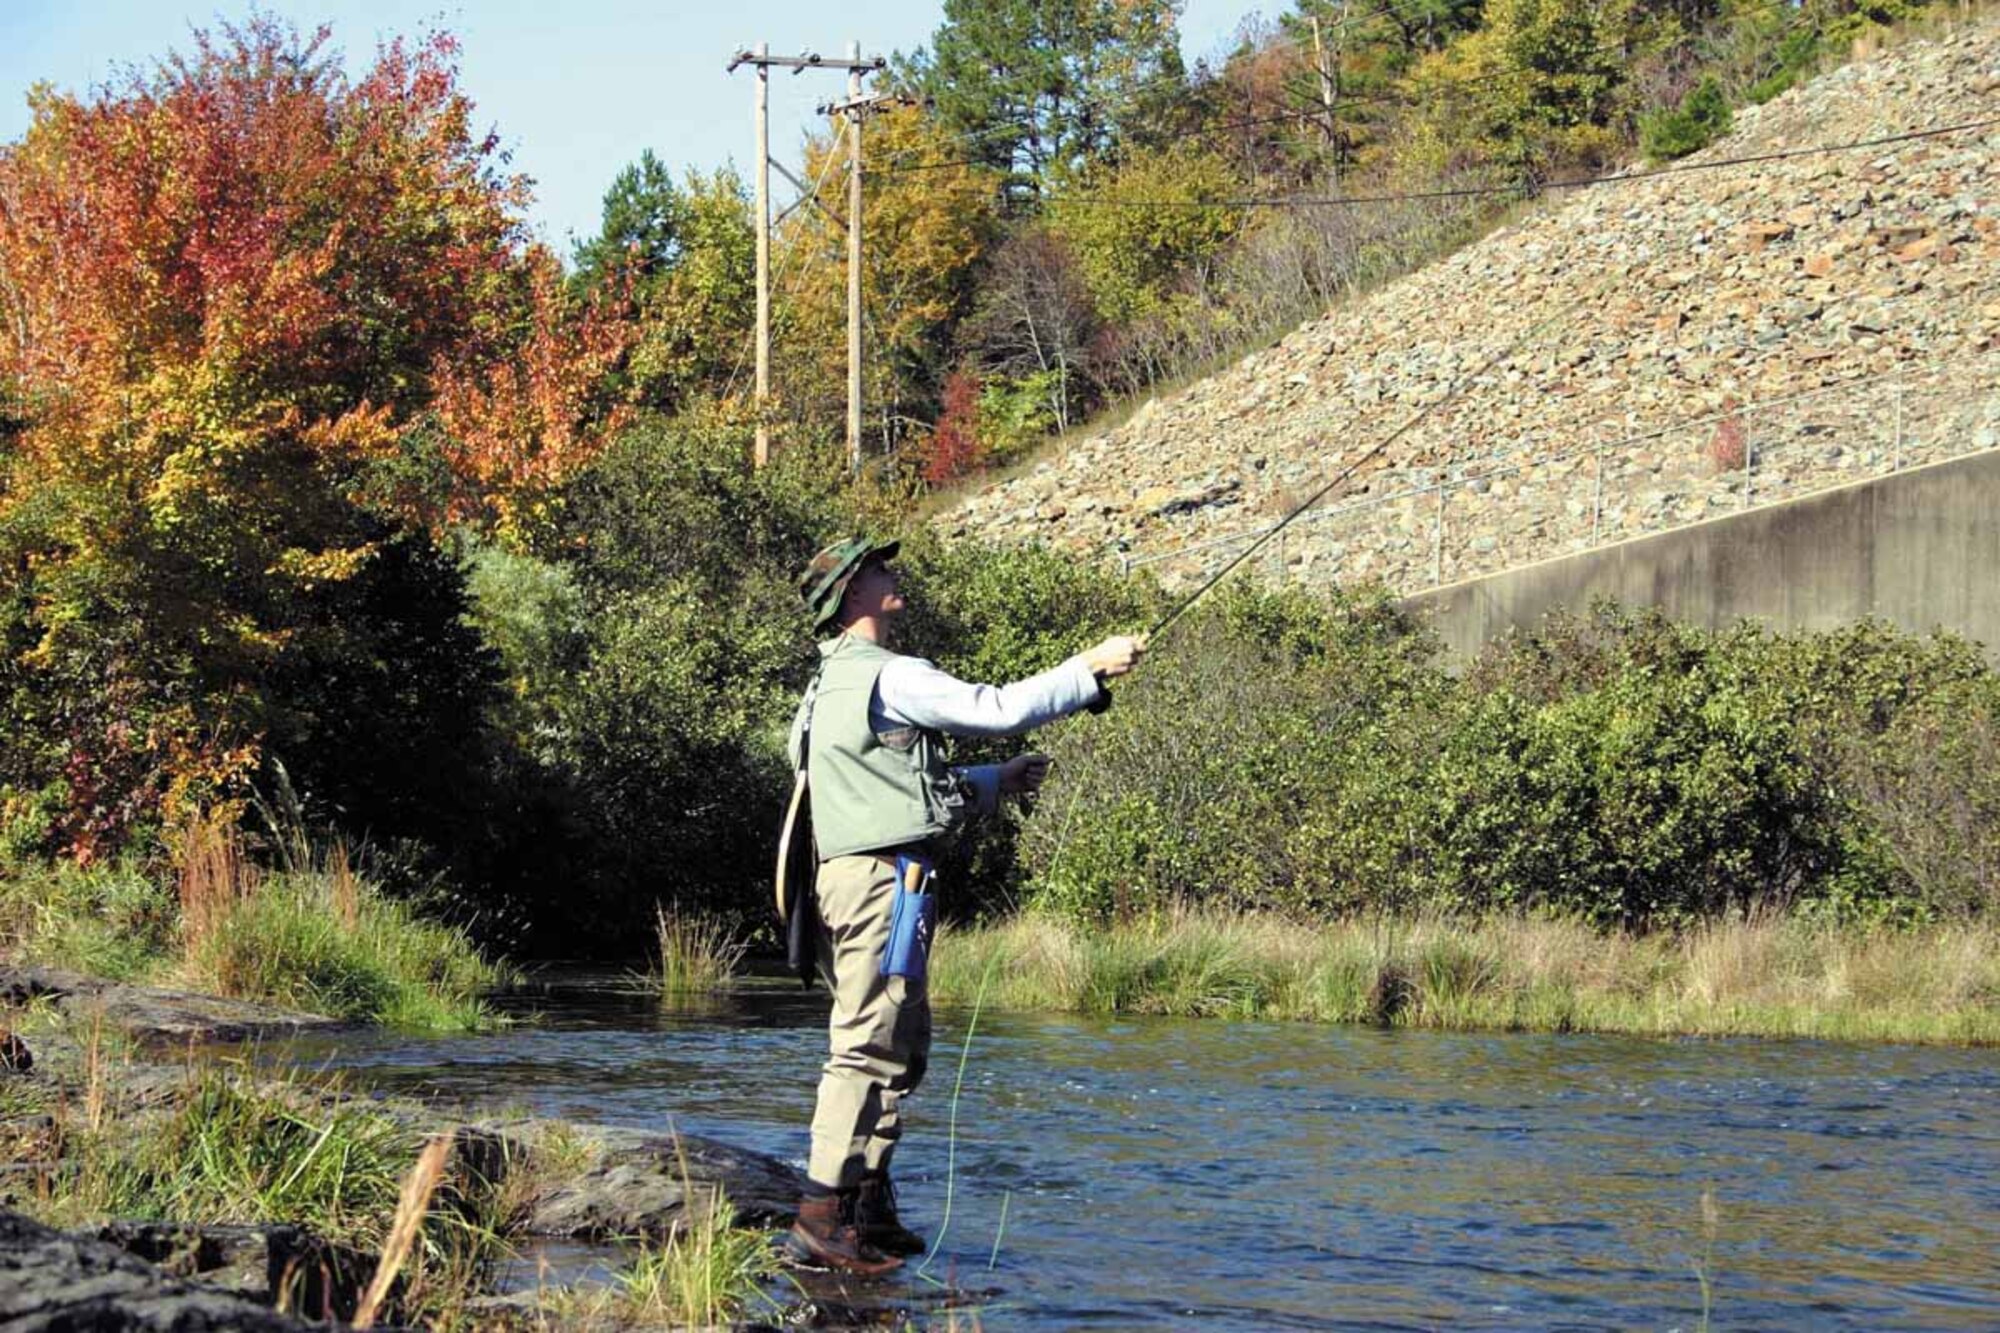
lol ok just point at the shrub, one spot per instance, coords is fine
(1793, 59)
(1221, 773)
(1929, 789)
(1702, 117)
(996, 615)
(1729, 446)
(1615, 767)
(653, 646)
(955, 447)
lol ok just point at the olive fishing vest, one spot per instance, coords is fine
(871, 792)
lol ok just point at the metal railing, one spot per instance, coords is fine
(1510, 513)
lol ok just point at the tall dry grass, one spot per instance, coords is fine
(1762, 975)
(316, 935)
(214, 879)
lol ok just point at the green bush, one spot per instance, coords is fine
(1793, 59)
(1701, 118)
(996, 615)
(1928, 792)
(1614, 767)
(652, 646)
(1221, 774)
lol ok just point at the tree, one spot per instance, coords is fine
(1539, 85)
(928, 219)
(1034, 315)
(1149, 228)
(685, 259)
(644, 218)
(1039, 88)
(1363, 50)
(262, 325)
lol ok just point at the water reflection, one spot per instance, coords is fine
(1254, 1176)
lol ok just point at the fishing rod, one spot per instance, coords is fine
(1408, 424)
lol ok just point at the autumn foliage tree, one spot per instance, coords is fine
(263, 329)
(954, 448)
(929, 219)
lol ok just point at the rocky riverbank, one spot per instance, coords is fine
(1632, 329)
(99, 1054)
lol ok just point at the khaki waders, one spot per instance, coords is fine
(879, 1031)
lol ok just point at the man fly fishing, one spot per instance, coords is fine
(868, 745)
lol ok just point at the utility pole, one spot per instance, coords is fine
(762, 60)
(761, 452)
(856, 108)
(854, 118)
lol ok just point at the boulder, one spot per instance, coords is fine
(641, 1185)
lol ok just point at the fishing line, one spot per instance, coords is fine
(951, 1139)
(1173, 616)
(1532, 333)
(994, 1257)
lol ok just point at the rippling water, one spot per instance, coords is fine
(1156, 1173)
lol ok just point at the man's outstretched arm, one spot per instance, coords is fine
(912, 692)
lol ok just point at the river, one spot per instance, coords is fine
(1152, 1173)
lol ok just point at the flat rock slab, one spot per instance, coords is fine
(53, 1283)
(152, 1013)
(642, 1183)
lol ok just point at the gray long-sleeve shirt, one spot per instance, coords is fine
(911, 692)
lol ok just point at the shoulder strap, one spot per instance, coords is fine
(806, 727)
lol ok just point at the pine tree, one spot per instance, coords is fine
(1038, 88)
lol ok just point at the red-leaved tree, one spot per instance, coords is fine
(954, 448)
(258, 320)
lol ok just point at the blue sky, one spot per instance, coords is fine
(576, 88)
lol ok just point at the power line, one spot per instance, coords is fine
(778, 278)
(1575, 183)
(1206, 131)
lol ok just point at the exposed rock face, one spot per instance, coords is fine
(1649, 322)
(53, 1283)
(151, 1013)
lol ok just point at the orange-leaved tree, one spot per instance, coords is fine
(263, 328)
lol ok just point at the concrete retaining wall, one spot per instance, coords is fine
(1920, 548)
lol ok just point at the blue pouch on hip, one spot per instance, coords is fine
(912, 921)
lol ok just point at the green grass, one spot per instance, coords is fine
(695, 955)
(321, 939)
(230, 1146)
(300, 941)
(706, 1273)
(1771, 976)
(110, 921)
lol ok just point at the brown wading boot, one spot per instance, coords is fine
(875, 1217)
(822, 1236)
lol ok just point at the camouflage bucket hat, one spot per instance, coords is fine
(826, 578)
